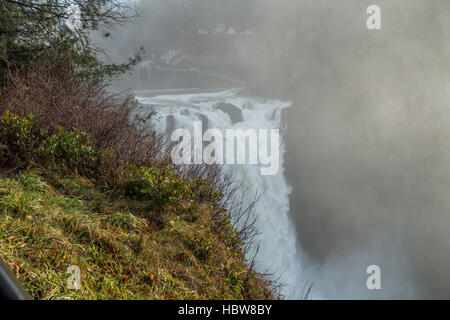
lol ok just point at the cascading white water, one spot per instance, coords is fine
(277, 239)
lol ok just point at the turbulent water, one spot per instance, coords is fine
(278, 250)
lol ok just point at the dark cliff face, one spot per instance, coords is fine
(233, 112)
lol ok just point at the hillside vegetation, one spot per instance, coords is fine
(124, 249)
(81, 184)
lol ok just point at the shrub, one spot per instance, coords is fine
(158, 184)
(164, 184)
(201, 244)
(71, 149)
(203, 191)
(72, 103)
(19, 138)
(22, 141)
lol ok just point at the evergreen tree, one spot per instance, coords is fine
(31, 29)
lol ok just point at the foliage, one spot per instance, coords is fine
(159, 184)
(49, 222)
(23, 141)
(19, 138)
(71, 149)
(31, 31)
(163, 184)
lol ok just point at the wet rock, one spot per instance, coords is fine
(234, 112)
(170, 123)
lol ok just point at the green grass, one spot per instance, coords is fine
(137, 229)
(126, 247)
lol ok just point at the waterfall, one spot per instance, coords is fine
(277, 239)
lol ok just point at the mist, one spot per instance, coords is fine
(367, 137)
(368, 155)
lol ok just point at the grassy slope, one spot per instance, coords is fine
(49, 222)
